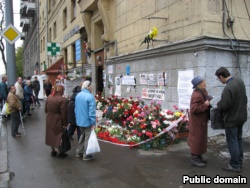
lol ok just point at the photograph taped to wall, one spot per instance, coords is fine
(118, 86)
(152, 79)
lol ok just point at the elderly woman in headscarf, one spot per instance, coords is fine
(56, 120)
(199, 108)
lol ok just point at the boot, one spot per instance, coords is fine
(195, 160)
(202, 159)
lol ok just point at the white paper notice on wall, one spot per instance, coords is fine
(128, 80)
(185, 88)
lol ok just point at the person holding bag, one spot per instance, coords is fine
(85, 111)
(233, 104)
(56, 121)
(198, 119)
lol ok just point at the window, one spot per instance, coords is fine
(49, 35)
(73, 9)
(65, 55)
(43, 43)
(49, 6)
(54, 31)
(65, 18)
(73, 53)
(42, 17)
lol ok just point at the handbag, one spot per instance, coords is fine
(93, 145)
(65, 143)
(216, 118)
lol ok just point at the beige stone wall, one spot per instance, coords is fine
(186, 19)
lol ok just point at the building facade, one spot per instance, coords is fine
(29, 23)
(193, 37)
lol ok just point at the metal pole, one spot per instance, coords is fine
(10, 48)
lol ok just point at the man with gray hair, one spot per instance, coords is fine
(85, 111)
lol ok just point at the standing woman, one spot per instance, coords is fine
(47, 87)
(56, 120)
(199, 109)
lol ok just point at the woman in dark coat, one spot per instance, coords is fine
(56, 120)
(72, 116)
(199, 109)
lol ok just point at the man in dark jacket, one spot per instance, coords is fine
(36, 87)
(233, 104)
(3, 90)
(71, 115)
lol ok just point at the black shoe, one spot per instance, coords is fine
(62, 155)
(195, 160)
(29, 114)
(53, 153)
(202, 159)
(18, 135)
(87, 157)
(230, 168)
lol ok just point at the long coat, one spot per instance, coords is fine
(56, 117)
(198, 119)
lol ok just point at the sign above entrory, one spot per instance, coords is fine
(71, 33)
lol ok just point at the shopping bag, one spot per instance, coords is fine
(5, 109)
(93, 145)
(65, 143)
(216, 118)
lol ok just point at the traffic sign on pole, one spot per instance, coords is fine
(11, 34)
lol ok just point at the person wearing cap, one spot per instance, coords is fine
(233, 104)
(56, 120)
(198, 119)
(85, 111)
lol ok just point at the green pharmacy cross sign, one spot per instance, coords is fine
(53, 49)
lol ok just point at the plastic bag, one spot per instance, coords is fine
(5, 110)
(93, 145)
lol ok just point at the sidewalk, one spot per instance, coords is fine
(114, 166)
(4, 174)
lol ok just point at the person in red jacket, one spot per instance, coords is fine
(198, 119)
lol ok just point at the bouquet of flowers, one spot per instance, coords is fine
(132, 121)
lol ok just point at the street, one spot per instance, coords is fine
(115, 166)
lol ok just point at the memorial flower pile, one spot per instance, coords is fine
(133, 121)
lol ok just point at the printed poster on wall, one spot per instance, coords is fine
(143, 79)
(155, 94)
(162, 78)
(110, 69)
(118, 86)
(185, 88)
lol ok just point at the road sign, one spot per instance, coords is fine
(53, 48)
(11, 34)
